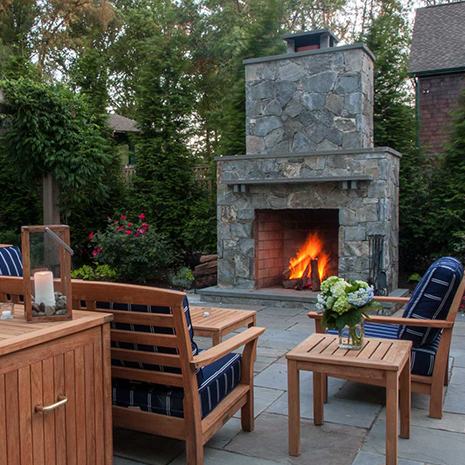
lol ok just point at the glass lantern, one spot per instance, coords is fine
(47, 272)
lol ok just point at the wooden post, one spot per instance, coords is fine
(50, 196)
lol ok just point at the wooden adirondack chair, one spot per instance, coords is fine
(154, 358)
(432, 383)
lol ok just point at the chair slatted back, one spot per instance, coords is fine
(455, 306)
(11, 289)
(152, 345)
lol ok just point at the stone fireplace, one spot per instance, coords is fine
(310, 170)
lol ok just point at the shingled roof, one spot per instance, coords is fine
(122, 124)
(438, 43)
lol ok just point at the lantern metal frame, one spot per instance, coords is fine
(63, 284)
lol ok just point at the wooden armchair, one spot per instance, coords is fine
(436, 353)
(161, 384)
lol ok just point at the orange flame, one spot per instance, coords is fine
(312, 248)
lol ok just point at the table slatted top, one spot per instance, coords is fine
(218, 319)
(384, 354)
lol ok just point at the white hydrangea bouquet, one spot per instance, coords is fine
(345, 304)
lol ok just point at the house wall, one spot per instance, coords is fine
(438, 96)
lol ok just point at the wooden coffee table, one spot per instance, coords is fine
(381, 362)
(216, 322)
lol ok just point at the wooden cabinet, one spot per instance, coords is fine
(55, 391)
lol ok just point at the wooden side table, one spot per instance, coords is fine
(380, 362)
(217, 322)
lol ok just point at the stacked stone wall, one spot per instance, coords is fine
(314, 101)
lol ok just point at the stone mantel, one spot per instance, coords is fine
(257, 156)
(314, 167)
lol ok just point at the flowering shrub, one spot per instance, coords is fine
(133, 249)
(344, 302)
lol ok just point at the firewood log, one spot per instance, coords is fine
(208, 258)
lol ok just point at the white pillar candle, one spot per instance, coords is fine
(43, 288)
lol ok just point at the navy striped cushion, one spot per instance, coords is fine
(147, 329)
(11, 261)
(423, 358)
(215, 382)
(422, 362)
(431, 299)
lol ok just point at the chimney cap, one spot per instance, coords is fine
(317, 38)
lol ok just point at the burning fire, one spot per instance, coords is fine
(313, 248)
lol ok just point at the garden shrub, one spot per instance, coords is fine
(134, 249)
(183, 278)
(97, 273)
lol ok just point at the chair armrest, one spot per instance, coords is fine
(441, 324)
(394, 300)
(315, 315)
(224, 348)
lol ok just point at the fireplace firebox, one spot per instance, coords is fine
(286, 241)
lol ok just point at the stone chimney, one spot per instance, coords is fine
(316, 97)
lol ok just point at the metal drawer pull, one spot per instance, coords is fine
(48, 408)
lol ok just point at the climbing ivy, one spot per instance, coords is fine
(50, 130)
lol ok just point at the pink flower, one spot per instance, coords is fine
(91, 235)
(123, 217)
(137, 234)
(129, 225)
(119, 228)
(141, 217)
(140, 232)
(97, 251)
(128, 232)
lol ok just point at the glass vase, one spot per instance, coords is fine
(351, 337)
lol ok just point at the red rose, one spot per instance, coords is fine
(129, 225)
(123, 217)
(91, 235)
(96, 251)
(141, 217)
(128, 232)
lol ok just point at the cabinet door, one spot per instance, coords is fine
(39, 426)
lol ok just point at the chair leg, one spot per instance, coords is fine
(247, 413)
(194, 452)
(446, 374)
(436, 399)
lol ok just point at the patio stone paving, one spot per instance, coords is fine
(354, 431)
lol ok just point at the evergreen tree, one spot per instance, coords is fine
(448, 192)
(246, 30)
(163, 186)
(394, 126)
